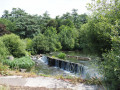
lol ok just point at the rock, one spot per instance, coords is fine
(23, 70)
(10, 57)
(84, 58)
(79, 58)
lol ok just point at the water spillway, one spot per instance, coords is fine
(53, 66)
(66, 65)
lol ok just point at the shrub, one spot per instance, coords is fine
(40, 44)
(20, 63)
(14, 44)
(61, 55)
(3, 69)
(29, 45)
(3, 50)
(111, 70)
(47, 42)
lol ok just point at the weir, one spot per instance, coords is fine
(65, 65)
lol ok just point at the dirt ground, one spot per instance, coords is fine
(41, 83)
(31, 88)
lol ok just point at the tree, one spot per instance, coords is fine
(10, 26)
(46, 42)
(6, 14)
(52, 39)
(26, 26)
(52, 23)
(40, 44)
(67, 37)
(3, 30)
(3, 51)
(14, 45)
(107, 15)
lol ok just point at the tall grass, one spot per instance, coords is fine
(20, 63)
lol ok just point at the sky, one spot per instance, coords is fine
(54, 7)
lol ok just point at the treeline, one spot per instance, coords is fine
(45, 33)
(98, 33)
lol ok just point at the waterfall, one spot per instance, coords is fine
(65, 65)
(56, 63)
(44, 59)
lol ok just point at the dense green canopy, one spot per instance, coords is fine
(97, 33)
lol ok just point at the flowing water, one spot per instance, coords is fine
(42, 67)
(83, 69)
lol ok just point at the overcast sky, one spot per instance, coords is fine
(54, 7)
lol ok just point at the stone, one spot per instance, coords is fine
(10, 57)
(23, 70)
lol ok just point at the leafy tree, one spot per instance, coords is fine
(6, 14)
(10, 26)
(107, 26)
(77, 19)
(46, 42)
(67, 37)
(40, 44)
(66, 16)
(52, 23)
(52, 39)
(3, 30)
(27, 26)
(14, 44)
(97, 36)
(68, 22)
(3, 50)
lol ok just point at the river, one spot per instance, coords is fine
(89, 68)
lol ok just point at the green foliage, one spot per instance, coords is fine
(14, 44)
(10, 26)
(3, 69)
(46, 42)
(52, 23)
(107, 29)
(68, 22)
(3, 50)
(67, 37)
(111, 69)
(97, 36)
(52, 39)
(20, 63)
(111, 65)
(29, 46)
(40, 44)
(61, 55)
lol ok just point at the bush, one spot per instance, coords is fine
(10, 26)
(29, 45)
(20, 63)
(61, 55)
(3, 50)
(14, 44)
(46, 42)
(40, 44)
(3, 69)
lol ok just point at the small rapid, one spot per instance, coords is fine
(50, 66)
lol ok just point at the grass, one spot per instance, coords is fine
(20, 63)
(25, 74)
(75, 80)
(3, 69)
(3, 87)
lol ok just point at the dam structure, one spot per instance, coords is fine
(64, 64)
